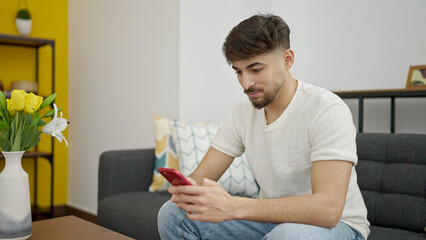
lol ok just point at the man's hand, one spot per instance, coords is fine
(206, 202)
(174, 190)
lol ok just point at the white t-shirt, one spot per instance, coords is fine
(317, 125)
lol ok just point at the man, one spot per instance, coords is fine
(299, 141)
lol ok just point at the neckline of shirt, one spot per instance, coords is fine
(286, 112)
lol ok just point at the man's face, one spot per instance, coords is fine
(261, 77)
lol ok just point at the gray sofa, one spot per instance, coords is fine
(391, 174)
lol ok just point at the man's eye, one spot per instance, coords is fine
(238, 72)
(257, 70)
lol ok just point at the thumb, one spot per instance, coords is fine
(208, 182)
(192, 181)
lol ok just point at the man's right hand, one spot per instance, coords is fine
(173, 189)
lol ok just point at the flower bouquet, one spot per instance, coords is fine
(20, 124)
(20, 121)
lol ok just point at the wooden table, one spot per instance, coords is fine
(72, 228)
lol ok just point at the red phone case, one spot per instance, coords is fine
(174, 176)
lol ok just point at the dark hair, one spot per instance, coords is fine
(256, 35)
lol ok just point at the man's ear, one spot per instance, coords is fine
(288, 59)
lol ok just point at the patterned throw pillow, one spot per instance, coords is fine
(165, 153)
(192, 140)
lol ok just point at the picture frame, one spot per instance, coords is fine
(416, 77)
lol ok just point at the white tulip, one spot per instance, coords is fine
(56, 126)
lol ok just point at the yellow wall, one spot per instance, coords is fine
(50, 20)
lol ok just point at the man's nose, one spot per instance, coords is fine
(247, 82)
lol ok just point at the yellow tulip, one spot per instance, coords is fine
(9, 108)
(17, 100)
(32, 103)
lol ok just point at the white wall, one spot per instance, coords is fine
(123, 68)
(131, 59)
(339, 45)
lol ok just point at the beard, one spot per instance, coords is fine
(268, 97)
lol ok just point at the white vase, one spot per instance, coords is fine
(23, 25)
(15, 204)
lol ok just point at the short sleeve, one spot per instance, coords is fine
(228, 139)
(332, 134)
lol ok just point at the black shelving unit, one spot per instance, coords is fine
(392, 94)
(36, 43)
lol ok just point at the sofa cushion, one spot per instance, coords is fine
(192, 141)
(392, 177)
(380, 233)
(133, 214)
(395, 210)
(165, 153)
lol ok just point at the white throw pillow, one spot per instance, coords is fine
(192, 140)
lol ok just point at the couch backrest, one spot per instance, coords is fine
(392, 177)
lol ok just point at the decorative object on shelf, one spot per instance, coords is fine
(23, 22)
(28, 86)
(7, 93)
(19, 124)
(416, 77)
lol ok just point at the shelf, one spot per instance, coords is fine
(33, 154)
(36, 43)
(41, 213)
(383, 93)
(15, 40)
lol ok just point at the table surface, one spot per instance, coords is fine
(72, 228)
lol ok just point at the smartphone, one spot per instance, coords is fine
(174, 176)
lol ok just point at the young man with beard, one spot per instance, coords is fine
(299, 141)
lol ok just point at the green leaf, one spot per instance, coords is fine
(51, 113)
(17, 132)
(28, 120)
(26, 116)
(48, 101)
(15, 137)
(30, 139)
(1, 115)
(23, 120)
(13, 128)
(25, 133)
(5, 133)
(7, 115)
(31, 135)
(18, 117)
(41, 123)
(34, 142)
(5, 144)
(4, 126)
(17, 142)
(23, 14)
(35, 119)
(3, 103)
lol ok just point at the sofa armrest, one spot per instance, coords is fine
(124, 171)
